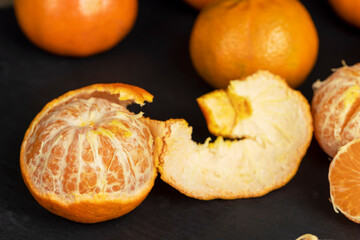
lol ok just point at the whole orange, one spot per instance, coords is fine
(349, 10)
(198, 4)
(76, 27)
(232, 39)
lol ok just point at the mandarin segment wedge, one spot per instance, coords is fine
(344, 179)
(274, 122)
(87, 158)
(336, 109)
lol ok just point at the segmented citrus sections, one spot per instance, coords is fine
(336, 109)
(344, 178)
(274, 122)
(85, 157)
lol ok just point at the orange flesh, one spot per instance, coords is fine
(336, 109)
(344, 177)
(89, 146)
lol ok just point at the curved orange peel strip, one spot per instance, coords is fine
(275, 124)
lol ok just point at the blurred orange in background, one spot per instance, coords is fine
(76, 27)
(232, 39)
(349, 10)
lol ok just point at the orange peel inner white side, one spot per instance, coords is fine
(275, 126)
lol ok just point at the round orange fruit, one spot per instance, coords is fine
(85, 157)
(335, 108)
(232, 39)
(349, 10)
(76, 27)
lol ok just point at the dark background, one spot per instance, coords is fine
(155, 57)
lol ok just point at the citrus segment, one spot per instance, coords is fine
(275, 136)
(86, 157)
(344, 175)
(336, 108)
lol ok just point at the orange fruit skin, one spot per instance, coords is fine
(349, 10)
(98, 208)
(85, 211)
(199, 4)
(74, 27)
(232, 39)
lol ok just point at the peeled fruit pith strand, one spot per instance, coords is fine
(336, 109)
(274, 122)
(87, 158)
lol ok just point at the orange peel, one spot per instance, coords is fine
(274, 122)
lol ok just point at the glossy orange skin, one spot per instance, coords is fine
(232, 39)
(349, 10)
(199, 4)
(76, 27)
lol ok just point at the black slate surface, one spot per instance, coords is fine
(155, 56)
